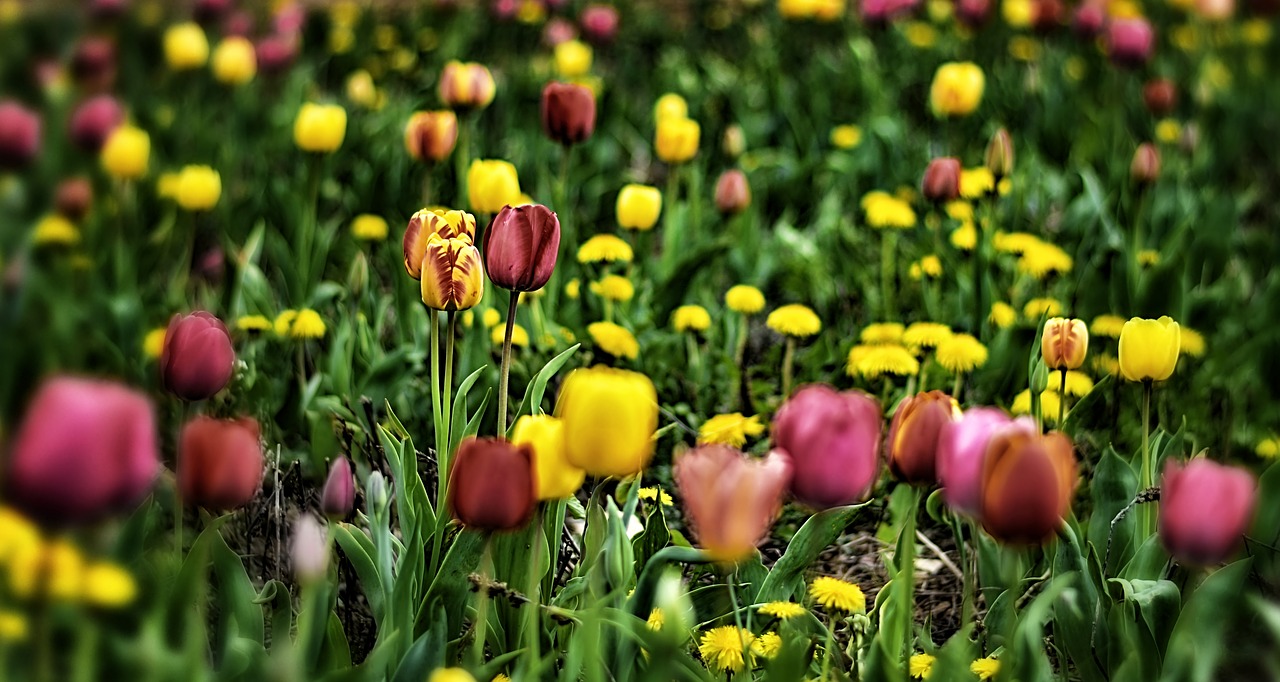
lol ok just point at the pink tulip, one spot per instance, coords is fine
(961, 449)
(198, 359)
(834, 442)
(339, 493)
(94, 121)
(275, 53)
(733, 192)
(1130, 42)
(973, 13)
(93, 65)
(1205, 507)
(599, 23)
(558, 30)
(730, 499)
(1089, 19)
(86, 449)
(19, 135)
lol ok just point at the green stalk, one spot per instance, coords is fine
(670, 227)
(1135, 266)
(437, 415)
(506, 364)
(906, 573)
(482, 603)
(788, 358)
(1146, 511)
(737, 617)
(306, 228)
(979, 263)
(888, 249)
(446, 406)
(1062, 400)
(461, 156)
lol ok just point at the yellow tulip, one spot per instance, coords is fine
(638, 207)
(670, 105)
(556, 477)
(126, 152)
(466, 85)
(957, 89)
(451, 675)
(676, 140)
(573, 58)
(609, 418)
(1149, 349)
(320, 127)
(452, 276)
(185, 46)
(491, 185)
(234, 61)
(198, 188)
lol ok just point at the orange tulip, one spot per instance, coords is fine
(913, 435)
(1028, 480)
(430, 135)
(1064, 343)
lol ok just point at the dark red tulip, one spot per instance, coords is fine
(599, 23)
(220, 462)
(1130, 42)
(834, 442)
(275, 53)
(338, 496)
(913, 435)
(238, 23)
(520, 247)
(1160, 95)
(85, 449)
(1145, 168)
(568, 112)
(1089, 19)
(19, 135)
(93, 65)
(492, 485)
(1046, 15)
(1205, 508)
(94, 121)
(198, 359)
(973, 13)
(733, 192)
(941, 180)
(1027, 483)
(73, 198)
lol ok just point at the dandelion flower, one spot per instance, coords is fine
(1044, 259)
(614, 288)
(153, 343)
(921, 666)
(1050, 403)
(108, 585)
(691, 318)
(283, 322)
(1078, 383)
(730, 429)
(985, 668)
(853, 364)
(491, 318)
(1002, 315)
(965, 237)
(744, 299)
(722, 648)
(782, 610)
(961, 353)
(878, 360)
(1192, 342)
(656, 620)
(846, 136)
(1268, 448)
(653, 493)
(573, 288)
(614, 340)
(307, 325)
(13, 626)
(976, 182)
(925, 335)
(368, 227)
(833, 593)
(929, 266)
(253, 323)
(519, 335)
(885, 210)
(882, 332)
(767, 645)
(55, 230)
(959, 210)
(605, 248)
(1107, 325)
(1148, 257)
(1106, 363)
(1015, 242)
(794, 320)
(1037, 308)
(1168, 131)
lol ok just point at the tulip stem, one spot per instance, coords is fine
(1147, 512)
(1062, 400)
(740, 354)
(506, 364)
(482, 602)
(788, 358)
(737, 610)
(446, 407)
(461, 155)
(979, 262)
(442, 439)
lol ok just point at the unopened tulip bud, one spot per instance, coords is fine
(1190, 138)
(376, 493)
(492, 485)
(733, 192)
(466, 86)
(358, 275)
(962, 449)
(220, 462)
(1089, 19)
(833, 440)
(1027, 484)
(731, 499)
(941, 183)
(338, 496)
(568, 113)
(93, 65)
(599, 23)
(19, 135)
(452, 274)
(1205, 509)
(1145, 169)
(521, 246)
(734, 141)
(73, 198)
(430, 222)
(914, 432)
(309, 550)
(609, 418)
(1130, 42)
(1161, 96)
(431, 135)
(1064, 343)
(198, 358)
(1039, 377)
(999, 157)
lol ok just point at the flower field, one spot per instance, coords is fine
(449, 341)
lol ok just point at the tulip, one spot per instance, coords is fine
(557, 477)
(1064, 343)
(941, 182)
(234, 61)
(338, 496)
(426, 223)
(126, 152)
(198, 188)
(1149, 349)
(1089, 19)
(914, 432)
(599, 22)
(452, 277)
(609, 418)
(834, 442)
(238, 23)
(275, 53)
(492, 485)
(957, 89)
(670, 105)
(208, 12)
(568, 113)
(73, 198)
(973, 13)
(466, 86)
(734, 141)
(1047, 15)
(185, 46)
(638, 207)
(573, 59)
(1027, 484)
(309, 550)
(1130, 42)
(84, 450)
(520, 247)
(730, 499)
(93, 65)
(558, 30)
(430, 135)
(107, 10)
(1145, 168)
(220, 462)
(999, 156)
(1205, 508)
(19, 135)
(94, 121)
(676, 140)
(733, 193)
(1160, 95)
(492, 185)
(962, 449)
(197, 360)
(320, 127)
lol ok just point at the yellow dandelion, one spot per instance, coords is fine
(1050, 402)
(959, 210)
(656, 620)
(885, 210)
(1078, 383)
(744, 299)
(605, 248)
(1268, 448)
(307, 325)
(283, 322)
(882, 332)
(1107, 325)
(109, 586)
(1044, 259)
(782, 610)
(18, 536)
(693, 318)
(730, 429)
(833, 593)
(1192, 342)
(491, 318)
(976, 182)
(614, 288)
(1256, 32)
(1148, 258)
(1015, 242)
(722, 648)
(568, 335)
(1106, 363)
(1002, 315)
(368, 227)
(519, 335)
(925, 335)
(1168, 131)
(153, 343)
(921, 666)
(920, 34)
(55, 230)
(929, 266)
(253, 324)
(985, 668)
(1024, 49)
(573, 288)
(614, 340)
(653, 493)
(13, 626)
(767, 645)
(879, 360)
(846, 136)
(1037, 308)
(965, 237)
(961, 353)
(794, 320)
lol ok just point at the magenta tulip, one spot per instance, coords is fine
(1205, 508)
(197, 360)
(220, 462)
(834, 442)
(599, 23)
(338, 496)
(520, 247)
(568, 113)
(275, 53)
(962, 446)
(973, 13)
(19, 135)
(1130, 42)
(86, 449)
(1089, 19)
(94, 121)
(558, 30)
(93, 65)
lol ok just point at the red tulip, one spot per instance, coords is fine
(84, 450)
(208, 12)
(733, 192)
(1205, 507)
(275, 53)
(73, 198)
(834, 443)
(1130, 42)
(1160, 95)
(520, 247)
(913, 435)
(568, 113)
(220, 462)
(198, 359)
(600, 23)
(730, 499)
(1145, 168)
(1089, 19)
(492, 485)
(941, 180)
(962, 449)
(93, 65)
(338, 496)
(1027, 483)
(1047, 15)
(94, 121)
(19, 135)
